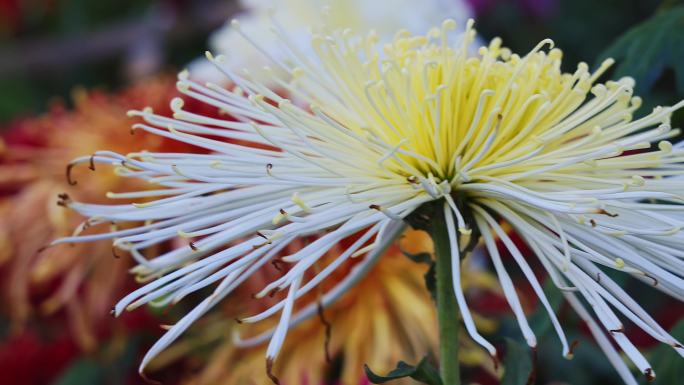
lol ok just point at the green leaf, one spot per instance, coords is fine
(517, 364)
(540, 322)
(83, 371)
(418, 257)
(645, 51)
(423, 372)
(431, 281)
(426, 258)
(666, 362)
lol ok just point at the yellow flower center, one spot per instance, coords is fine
(446, 112)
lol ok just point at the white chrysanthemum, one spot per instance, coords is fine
(497, 137)
(297, 17)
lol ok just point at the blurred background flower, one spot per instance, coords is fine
(64, 294)
(386, 318)
(296, 17)
(70, 69)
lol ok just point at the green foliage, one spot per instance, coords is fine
(517, 364)
(109, 365)
(426, 258)
(83, 371)
(540, 322)
(581, 28)
(15, 96)
(431, 281)
(666, 362)
(649, 48)
(423, 372)
(418, 257)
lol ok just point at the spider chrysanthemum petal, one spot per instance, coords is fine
(369, 136)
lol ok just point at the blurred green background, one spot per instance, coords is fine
(49, 46)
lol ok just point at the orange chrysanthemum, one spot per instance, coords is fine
(387, 317)
(83, 279)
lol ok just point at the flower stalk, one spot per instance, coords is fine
(447, 308)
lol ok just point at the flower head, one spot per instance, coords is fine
(373, 136)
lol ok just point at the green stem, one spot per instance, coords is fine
(447, 308)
